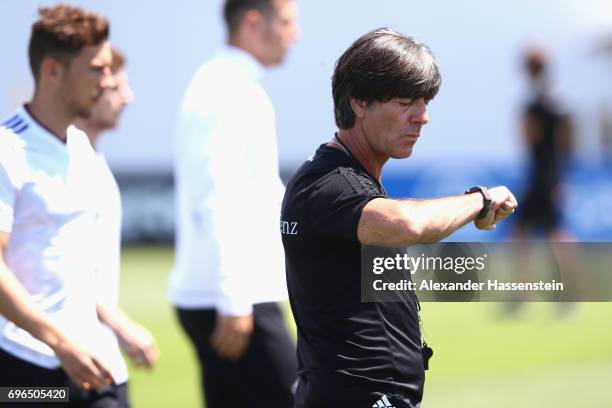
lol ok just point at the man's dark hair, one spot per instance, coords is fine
(535, 62)
(381, 65)
(62, 32)
(234, 10)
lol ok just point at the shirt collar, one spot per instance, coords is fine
(248, 62)
(43, 134)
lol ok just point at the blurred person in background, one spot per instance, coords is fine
(50, 334)
(547, 132)
(134, 339)
(229, 269)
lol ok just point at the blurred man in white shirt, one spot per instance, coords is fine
(229, 268)
(120, 330)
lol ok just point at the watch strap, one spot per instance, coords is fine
(486, 200)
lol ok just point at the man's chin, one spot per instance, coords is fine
(404, 154)
(83, 113)
(109, 125)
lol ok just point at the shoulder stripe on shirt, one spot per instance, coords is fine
(15, 125)
(21, 129)
(9, 123)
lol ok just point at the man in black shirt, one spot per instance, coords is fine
(353, 353)
(546, 129)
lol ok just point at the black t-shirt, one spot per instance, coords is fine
(545, 155)
(350, 353)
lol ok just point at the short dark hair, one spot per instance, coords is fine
(535, 62)
(234, 10)
(62, 32)
(381, 65)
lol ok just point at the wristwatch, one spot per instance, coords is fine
(486, 200)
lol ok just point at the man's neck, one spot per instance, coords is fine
(355, 140)
(238, 41)
(51, 114)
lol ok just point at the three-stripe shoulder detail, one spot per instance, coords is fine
(16, 124)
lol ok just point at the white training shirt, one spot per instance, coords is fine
(108, 255)
(48, 206)
(229, 251)
(108, 222)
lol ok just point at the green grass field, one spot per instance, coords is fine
(536, 358)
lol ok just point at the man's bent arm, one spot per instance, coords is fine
(407, 222)
(16, 306)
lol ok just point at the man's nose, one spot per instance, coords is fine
(108, 79)
(421, 115)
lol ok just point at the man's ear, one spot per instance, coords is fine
(52, 70)
(359, 107)
(251, 20)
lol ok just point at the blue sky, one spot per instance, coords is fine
(477, 43)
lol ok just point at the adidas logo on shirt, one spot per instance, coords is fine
(383, 403)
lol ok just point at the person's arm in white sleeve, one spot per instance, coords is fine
(135, 340)
(219, 185)
(17, 306)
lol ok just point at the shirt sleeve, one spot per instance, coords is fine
(336, 201)
(108, 224)
(221, 195)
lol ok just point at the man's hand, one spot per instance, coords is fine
(81, 366)
(503, 204)
(231, 335)
(17, 306)
(138, 344)
(134, 340)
